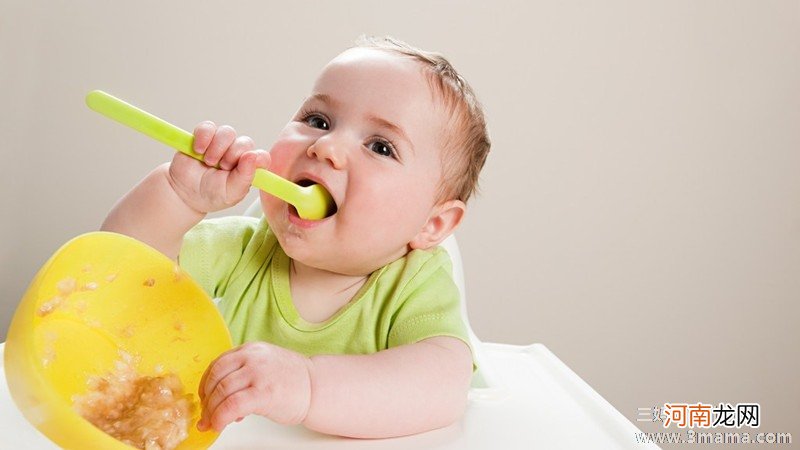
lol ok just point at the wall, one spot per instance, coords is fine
(640, 210)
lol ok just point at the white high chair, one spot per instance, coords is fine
(522, 397)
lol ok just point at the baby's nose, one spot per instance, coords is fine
(330, 150)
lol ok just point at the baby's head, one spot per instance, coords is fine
(465, 141)
(398, 139)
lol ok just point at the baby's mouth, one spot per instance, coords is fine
(305, 182)
(293, 211)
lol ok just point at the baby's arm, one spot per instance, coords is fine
(403, 390)
(399, 391)
(176, 196)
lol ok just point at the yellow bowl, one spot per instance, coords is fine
(124, 296)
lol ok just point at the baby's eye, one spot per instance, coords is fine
(317, 121)
(382, 148)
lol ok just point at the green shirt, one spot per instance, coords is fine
(238, 260)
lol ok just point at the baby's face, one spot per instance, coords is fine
(370, 133)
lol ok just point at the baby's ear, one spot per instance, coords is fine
(443, 220)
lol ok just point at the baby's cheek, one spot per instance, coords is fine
(263, 198)
(270, 204)
(280, 161)
(290, 145)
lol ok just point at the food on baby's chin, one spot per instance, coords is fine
(150, 413)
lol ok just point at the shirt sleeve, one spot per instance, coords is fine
(432, 307)
(213, 248)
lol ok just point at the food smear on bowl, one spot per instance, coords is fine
(128, 331)
(146, 412)
(177, 273)
(67, 286)
(50, 306)
(49, 348)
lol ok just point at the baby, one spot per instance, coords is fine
(349, 325)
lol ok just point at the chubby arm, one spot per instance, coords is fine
(403, 390)
(176, 196)
(154, 213)
(399, 391)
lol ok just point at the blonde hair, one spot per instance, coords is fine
(467, 144)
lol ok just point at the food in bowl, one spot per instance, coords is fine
(146, 412)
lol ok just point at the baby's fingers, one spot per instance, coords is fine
(241, 178)
(223, 138)
(241, 145)
(203, 133)
(230, 384)
(224, 365)
(238, 404)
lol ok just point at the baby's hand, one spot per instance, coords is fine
(255, 378)
(206, 189)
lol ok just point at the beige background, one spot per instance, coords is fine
(640, 211)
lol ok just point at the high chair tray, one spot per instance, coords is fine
(529, 399)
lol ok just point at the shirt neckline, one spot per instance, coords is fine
(283, 295)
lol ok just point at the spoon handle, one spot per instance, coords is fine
(143, 122)
(179, 139)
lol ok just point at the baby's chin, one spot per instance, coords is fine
(302, 248)
(300, 252)
(329, 266)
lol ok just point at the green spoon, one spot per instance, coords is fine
(312, 202)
